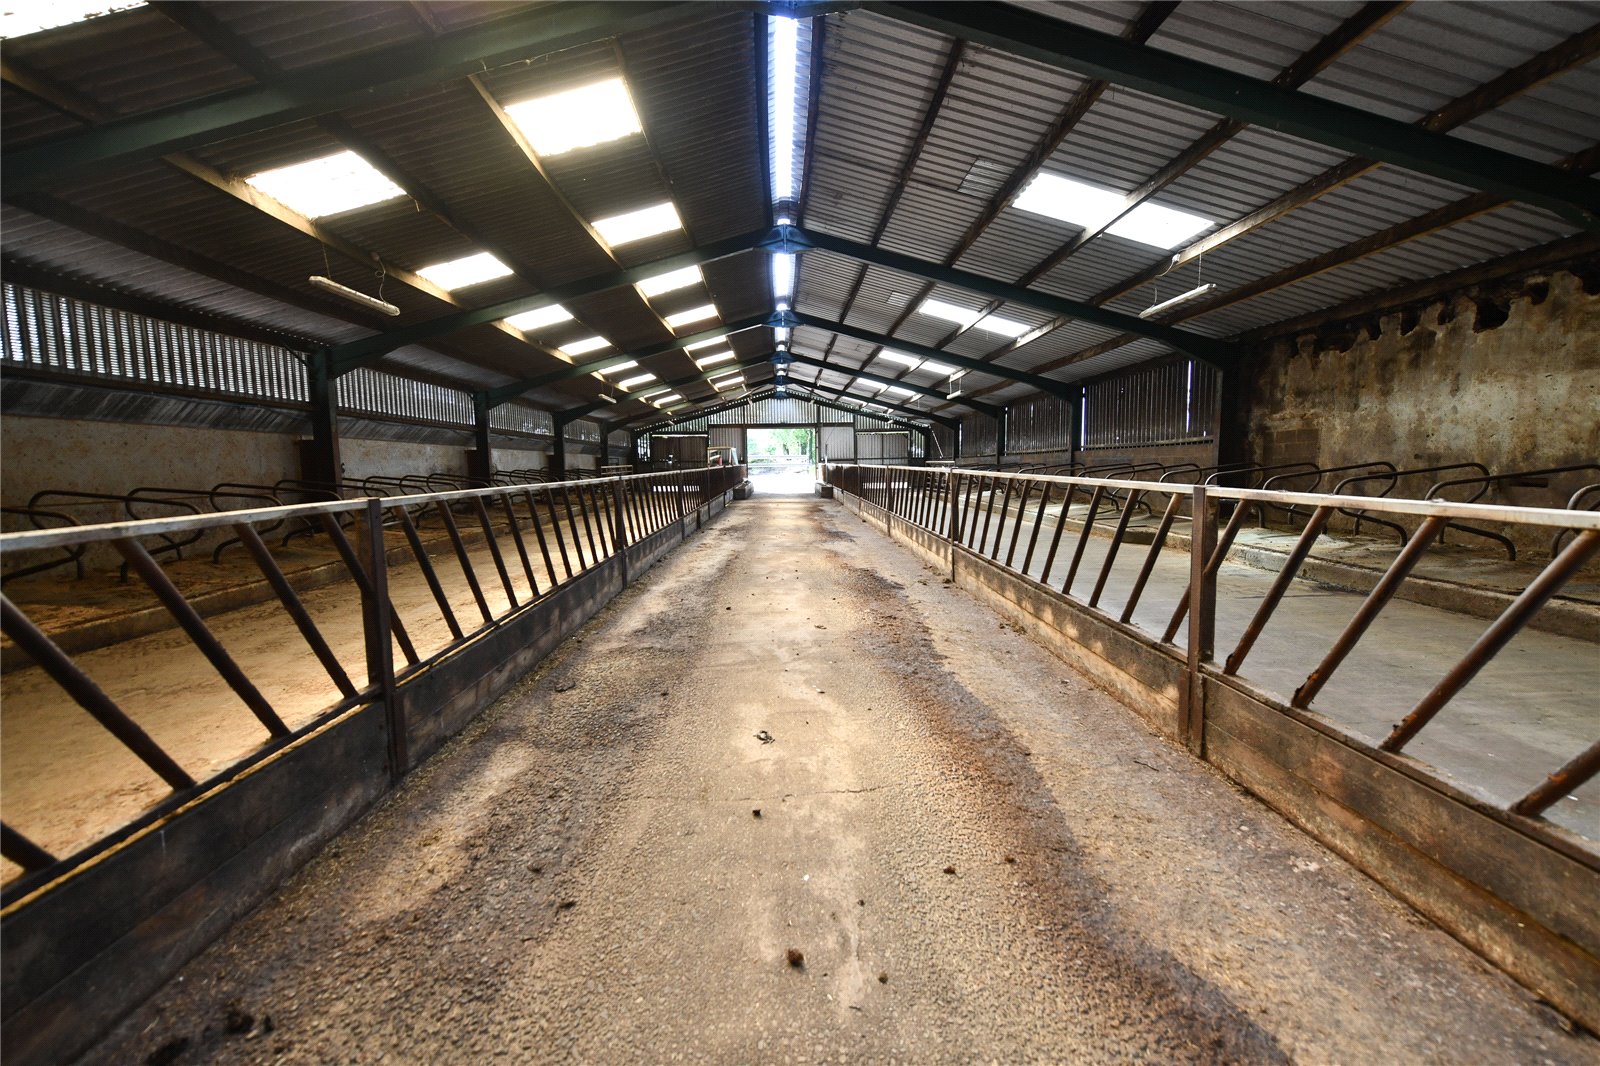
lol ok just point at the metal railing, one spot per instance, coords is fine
(531, 540)
(1041, 527)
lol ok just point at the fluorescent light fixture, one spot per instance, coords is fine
(637, 379)
(327, 185)
(576, 118)
(540, 317)
(22, 17)
(1089, 207)
(468, 270)
(661, 401)
(949, 312)
(1181, 298)
(629, 365)
(584, 346)
(671, 281)
(1005, 327)
(899, 357)
(785, 82)
(354, 295)
(713, 359)
(694, 314)
(637, 225)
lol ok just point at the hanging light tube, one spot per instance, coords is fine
(1181, 298)
(369, 302)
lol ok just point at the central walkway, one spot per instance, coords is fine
(790, 740)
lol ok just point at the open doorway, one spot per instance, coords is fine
(782, 460)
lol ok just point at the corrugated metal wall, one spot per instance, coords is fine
(1176, 403)
(977, 436)
(728, 437)
(838, 444)
(689, 449)
(1042, 424)
(883, 446)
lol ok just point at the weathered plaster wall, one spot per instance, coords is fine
(369, 458)
(1510, 379)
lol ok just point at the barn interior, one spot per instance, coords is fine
(1244, 356)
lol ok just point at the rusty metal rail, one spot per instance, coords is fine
(548, 533)
(1026, 522)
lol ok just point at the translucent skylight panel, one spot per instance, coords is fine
(697, 345)
(645, 395)
(899, 357)
(937, 368)
(1087, 206)
(22, 17)
(629, 365)
(782, 280)
(637, 225)
(662, 401)
(671, 281)
(468, 270)
(637, 379)
(949, 312)
(1005, 327)
(898, 390)
(540, 317)
(577, 118)
(728, 382)
(326, 186)
(584, 346)
(713, 359)
(694, 314)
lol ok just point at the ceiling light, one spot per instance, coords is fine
(671, 281)
(949, 312)
(629, 365)
(1090, 207)
(19, 19)
(576, 118)
(540, 317)
(584, 346)
(713, 360)
(353, 295)
(1005, 327)
(1181, 298)
(637, 225)
(326, 186)
(638, 379)
(694, 314)
(468, 270)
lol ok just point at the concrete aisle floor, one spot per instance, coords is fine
(980, 856)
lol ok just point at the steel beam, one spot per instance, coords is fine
(504, 393)
(572, 414)
(1047, 385)
(362, 80)
(943, 420)
(1173, 77)
(349, 356)
(792, 238)
(921, 390)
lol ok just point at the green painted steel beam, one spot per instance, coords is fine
(1260, 103)
(793, 238)
(360, 80)
(505, 393)
(347, 357)
(878, 379)
(1062, 389)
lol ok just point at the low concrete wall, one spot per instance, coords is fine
(78, 952)
(1517, 891)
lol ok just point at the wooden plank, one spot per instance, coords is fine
(1556, 890)
(1552, 966)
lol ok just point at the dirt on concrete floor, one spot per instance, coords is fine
(792, 798)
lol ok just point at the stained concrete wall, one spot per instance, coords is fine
(38, 453)
(370, 458)
(1510, 379)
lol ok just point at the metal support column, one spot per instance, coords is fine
(319, 456)
(480, 461)
(558, 451)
